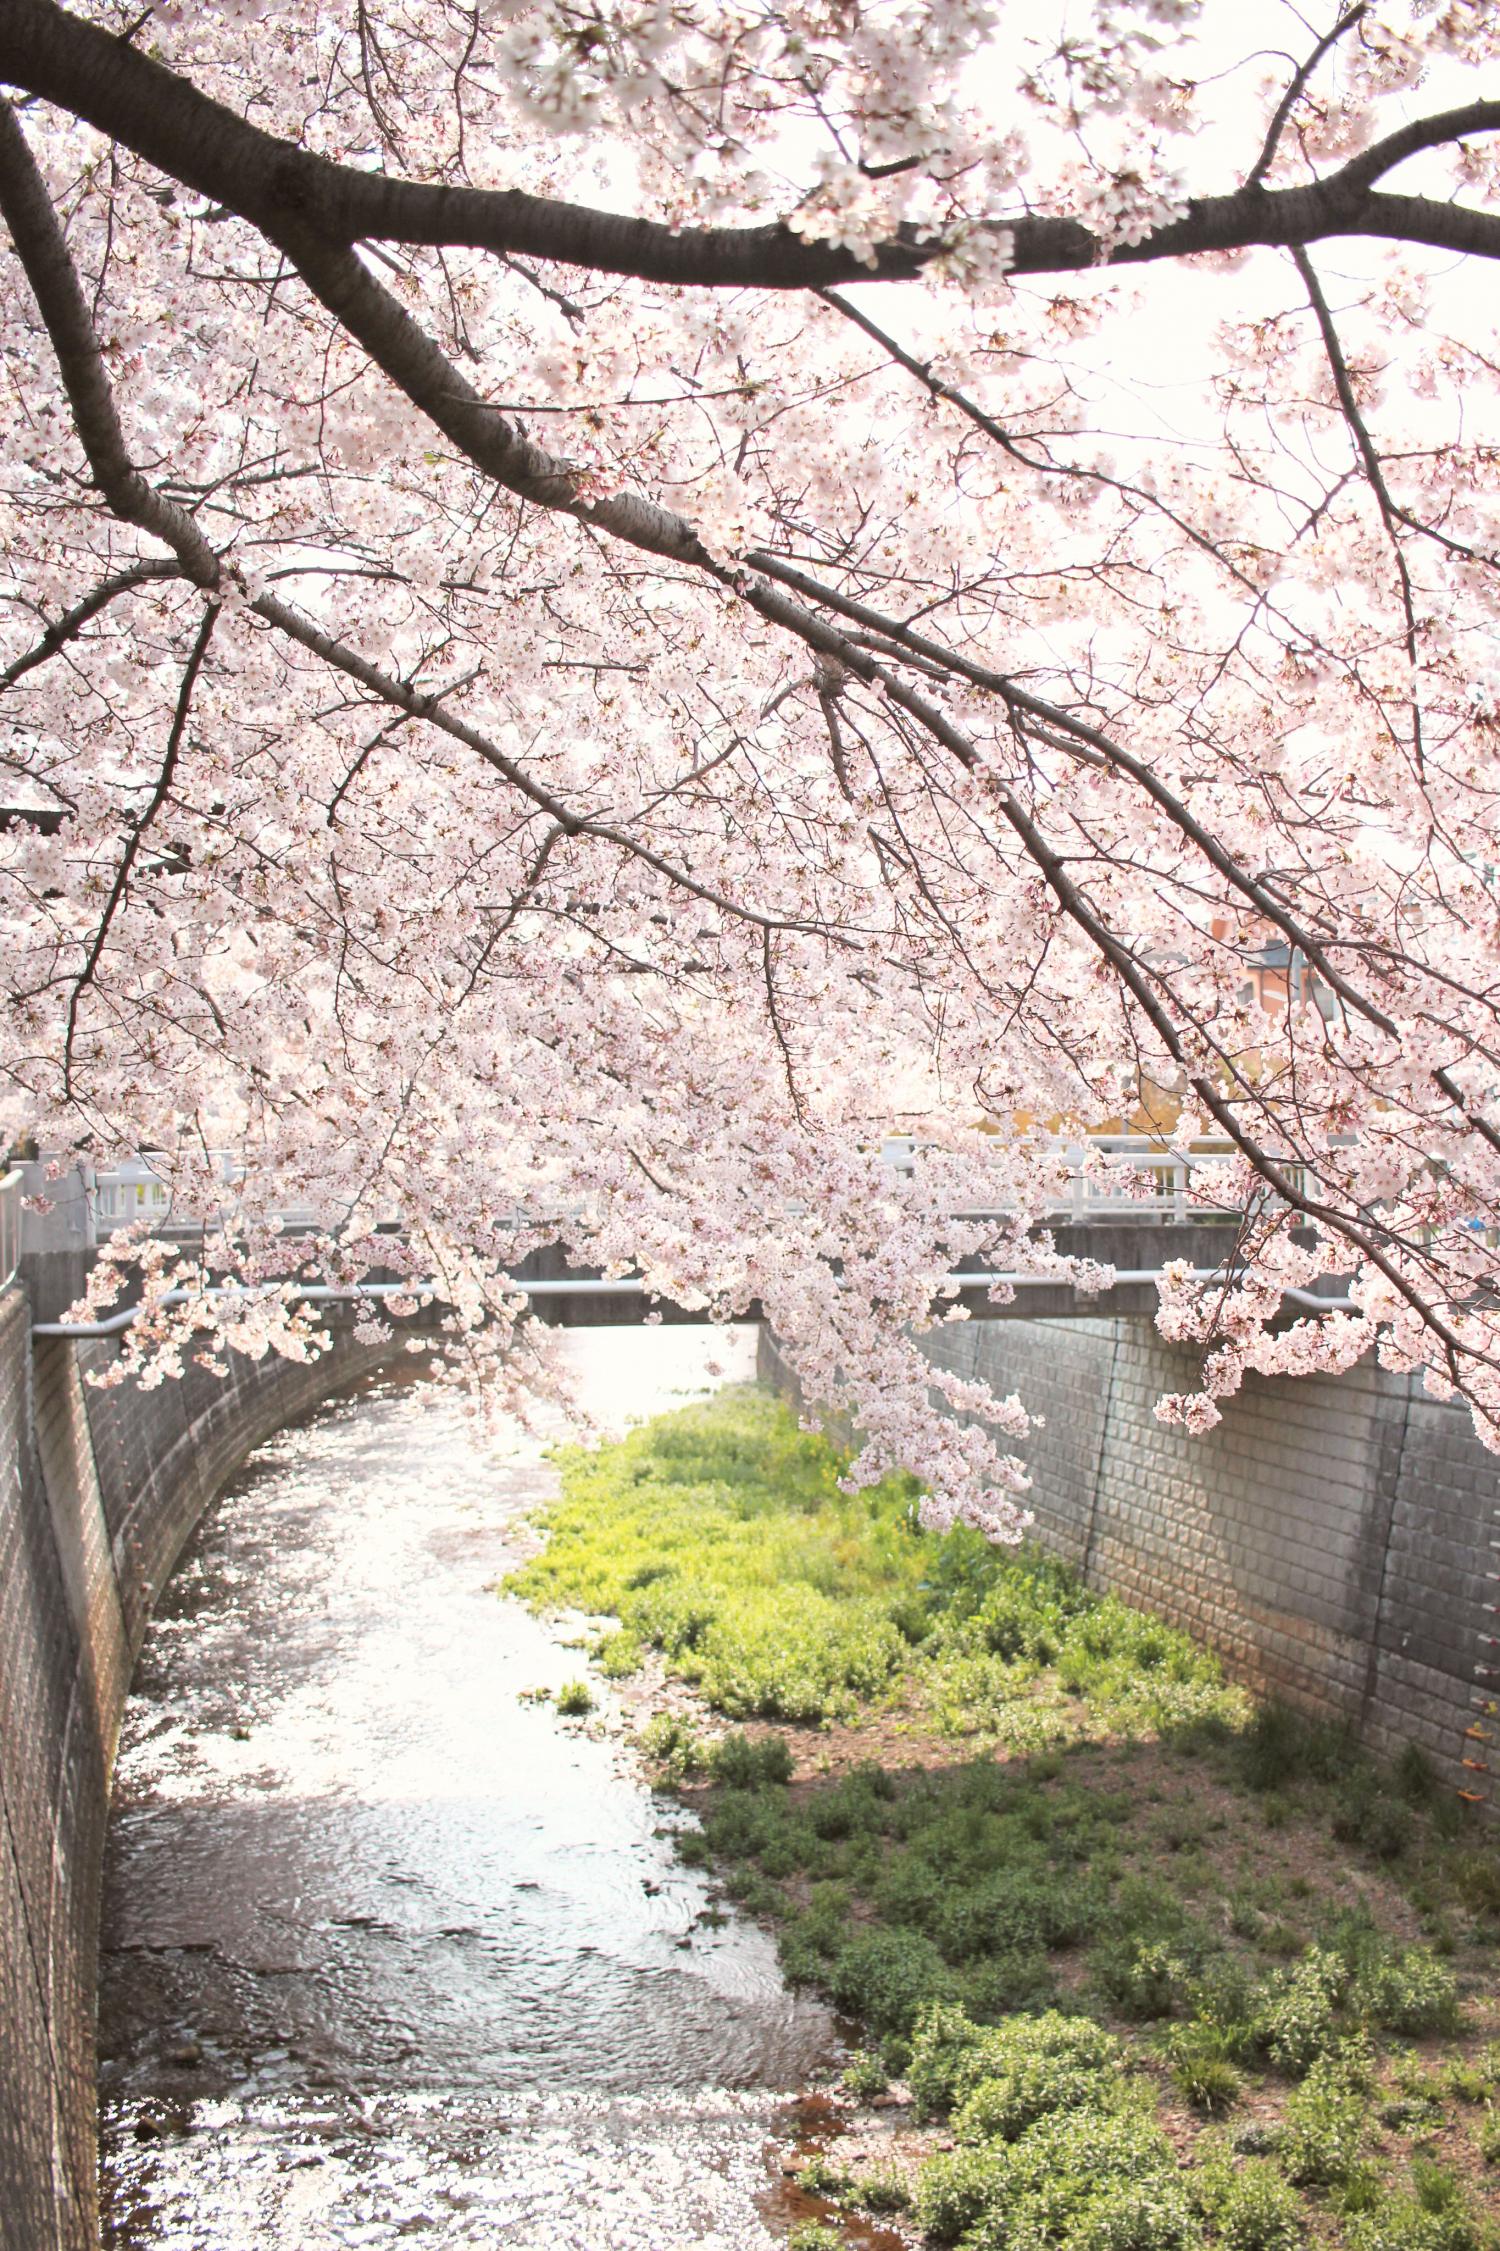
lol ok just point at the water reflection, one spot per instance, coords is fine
(389, 1949)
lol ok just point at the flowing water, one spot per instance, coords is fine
(392, 1953)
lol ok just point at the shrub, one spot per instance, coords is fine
(954, 2192)
(618, 1654)
(883, 2190)
(1476, 1879)
(1406, 1990)
(1034, 2087)
(1414, 1775)
(1280, 1747)
(1107, 2183)
(1471, 2082)
(1324, 2130)
(1252, 2208)
(575, 1698)
(864, 2076)
(1225, 2005)
(888, 1977)
(1384, 1825)
(952, 2055)
(672, 1744)
(812, 2235)
(1410, 2223)
(1014, 1911)
(1152, 2215)
(1298, 2018)
(745, 1761)
(1008, 1983)
(692, 1848)
(1138, 1978)
(821, 2177)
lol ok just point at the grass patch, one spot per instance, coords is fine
(1157, 1969)
(719, 1538)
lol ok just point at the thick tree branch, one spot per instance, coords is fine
(137, 101)
(27, 210)
(403, 350)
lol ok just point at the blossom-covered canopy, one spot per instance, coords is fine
(605, 605)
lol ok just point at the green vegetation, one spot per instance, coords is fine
(575, 1699)
(719, 1537)
(1141, 1956)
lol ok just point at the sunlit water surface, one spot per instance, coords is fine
(391, 1952)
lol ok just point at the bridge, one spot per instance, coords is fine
(1130, 1205)
(1149, 1205)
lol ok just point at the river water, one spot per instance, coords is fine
(392, 1953)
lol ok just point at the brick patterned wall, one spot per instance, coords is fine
(98, 1492)
(1330, 1538)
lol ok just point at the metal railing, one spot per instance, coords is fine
(126, 1194)
(10, 1227)
(129, 1193)
(1140, 1178)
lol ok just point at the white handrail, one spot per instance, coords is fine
(10, 1226)
(628, 1285)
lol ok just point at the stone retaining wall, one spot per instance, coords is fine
(98, 1492)
(1331, 1538)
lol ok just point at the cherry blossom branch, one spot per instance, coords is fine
(1374, 472)
(1295, 91)
(1079, 910)
(1025, 705)
(72, 622)
(513, 461)
(410, 358)
(137, 836)
(402, 697)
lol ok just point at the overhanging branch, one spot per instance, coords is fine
(137, 101)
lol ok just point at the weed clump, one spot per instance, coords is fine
(865, 2075)
(1435, 2214)
(1201, 2057)
(1406, 1990)
(719, 1536)
(883, 2189)
(812, 2235)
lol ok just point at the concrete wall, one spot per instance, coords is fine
(99, 1489)
(1331, 1538)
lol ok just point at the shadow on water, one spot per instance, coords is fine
(390, 1950)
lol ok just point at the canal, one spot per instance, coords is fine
(392, 1953)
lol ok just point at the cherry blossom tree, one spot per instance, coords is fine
(605, 604)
